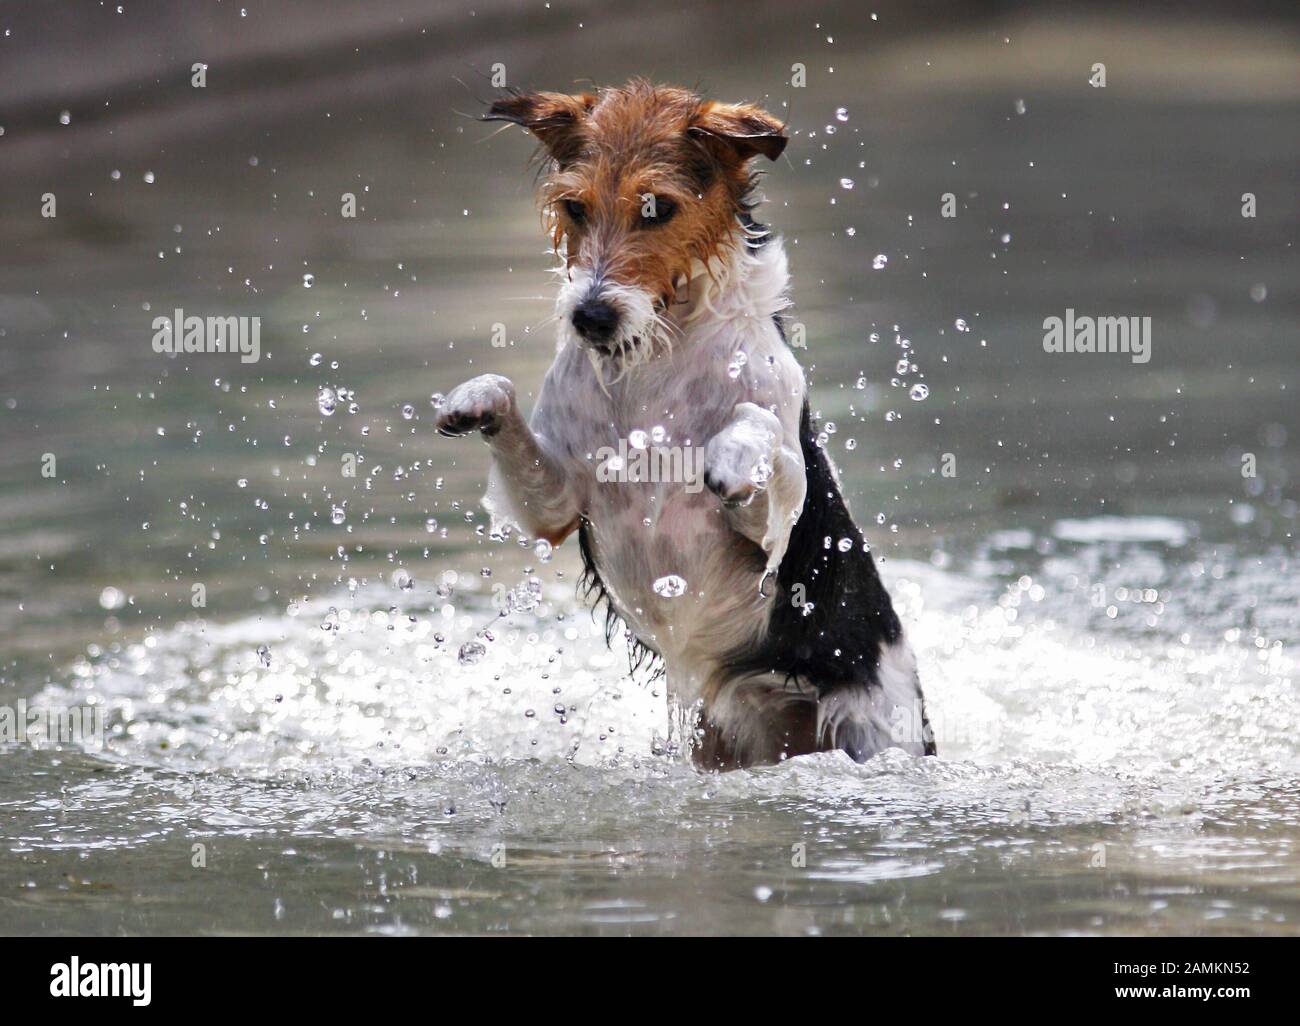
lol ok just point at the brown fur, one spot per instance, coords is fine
(791, 730)
(609, 150)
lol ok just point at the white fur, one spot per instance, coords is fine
(641, 332)
(888, 716)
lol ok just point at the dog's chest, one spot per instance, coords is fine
(645, 471)
(664, 549)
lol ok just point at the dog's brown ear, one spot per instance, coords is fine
(747, 130)
(555, 118)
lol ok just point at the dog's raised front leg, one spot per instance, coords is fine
(539, 494)
(751, 466)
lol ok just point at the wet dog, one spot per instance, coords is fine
(757, 593)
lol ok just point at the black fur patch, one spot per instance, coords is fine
(833, 638)
(832, 614)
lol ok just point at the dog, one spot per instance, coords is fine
(755, 594)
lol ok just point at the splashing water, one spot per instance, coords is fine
(1060, 727)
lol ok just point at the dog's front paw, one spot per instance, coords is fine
(480, 404)
(738, 459)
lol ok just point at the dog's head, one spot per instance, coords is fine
(639, 184)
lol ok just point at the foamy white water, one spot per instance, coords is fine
(1072, 732)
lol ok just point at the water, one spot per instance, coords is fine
(1099, 772)
(1103, 604)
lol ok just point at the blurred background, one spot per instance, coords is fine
(226, 200)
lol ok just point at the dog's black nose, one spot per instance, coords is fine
(594, 320)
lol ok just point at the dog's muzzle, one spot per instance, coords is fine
(595, 321)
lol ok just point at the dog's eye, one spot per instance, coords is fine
(576, 211)
(657, 210)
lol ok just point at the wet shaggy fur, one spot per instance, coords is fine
(639, 654)
(605, 155)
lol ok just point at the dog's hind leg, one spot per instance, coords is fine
(864, 719)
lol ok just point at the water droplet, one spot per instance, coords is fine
(471, 652)
(308, 280)
(408, 411)
(65, 118)
(327, 401)
(961, 325)
(1019, 106)
(844, 544)
(637, 439)
(527, 595)
(737, 364)
(919, 392)
(315, 359)
(542, 549)
(264, 655)
(337, 515)
(670, 587)
(846, 183)
(112, 598)
(878, 264)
